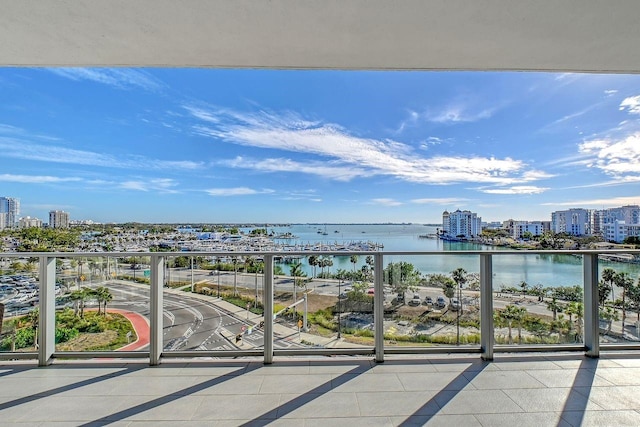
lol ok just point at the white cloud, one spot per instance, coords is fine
(631, 104)
(618, 158)
(345, 156)
(121, 78)
(458, 113)
(162, 185)
(237, 191)
(22, 149)
(440, 201)
(610, 92)
(516, 189)
(35, 179)
(386, 202)
(324, 169)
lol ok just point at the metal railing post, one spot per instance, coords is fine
(47, 317)
(156, 306)
(378, 307)
(591, 306)
(268, 309)
(486, 307)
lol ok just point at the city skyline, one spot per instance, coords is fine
(251, 146)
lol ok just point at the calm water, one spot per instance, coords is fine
(509, 270)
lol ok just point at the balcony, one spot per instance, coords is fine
(385, 307)
(213, 360)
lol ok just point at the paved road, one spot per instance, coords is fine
(191, 323)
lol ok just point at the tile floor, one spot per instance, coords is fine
(448, 390)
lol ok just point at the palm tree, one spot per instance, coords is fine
(234, 260)
(575, 309)
(608, 277)
(554, 307)
(354, 260)
(634, 296)
(296, 272)
(459, 275)
(524, 285)
(313, 262)
(510, 314)
(625, 282)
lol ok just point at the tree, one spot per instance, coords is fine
(313, 262)
(354, 260)
(104, 296)
(634, 296)
(610, 315)
(234, 260)
(622, 280)
(608, 277)
(511, 314)
(524, 286)
(554, 307)
(575, 309)
(297, 273)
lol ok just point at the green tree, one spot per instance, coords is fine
(608, 277)
(622, 280)
(554, 306)
(297, 274)
(575, 309)
(313, 262)
(354, 260)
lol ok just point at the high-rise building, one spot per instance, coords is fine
(459, 223)
(58, 219)
(11, 207)
(575, 222)
(616, 224)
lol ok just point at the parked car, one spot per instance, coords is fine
(400, 297)
(415, 301)
(428, 300)
(440, 302)
(455, 304)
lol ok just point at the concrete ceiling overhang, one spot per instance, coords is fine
(558, 35)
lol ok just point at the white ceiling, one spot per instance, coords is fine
(560, 35)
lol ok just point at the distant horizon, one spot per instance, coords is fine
(219, 146)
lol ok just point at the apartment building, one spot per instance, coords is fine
(10, 207)
(459, 223)
(27, 222)
(575, 222)
(616, 224)
(58, 219)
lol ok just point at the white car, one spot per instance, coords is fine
(416, 300)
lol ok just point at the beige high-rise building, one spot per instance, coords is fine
(58, 219)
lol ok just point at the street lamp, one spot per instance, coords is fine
(339, 302)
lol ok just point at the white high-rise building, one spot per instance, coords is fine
(58, 219)
(459, 223)
(615, 224)
(11, 207)
(572, 221)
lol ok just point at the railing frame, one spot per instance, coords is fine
(46, 326)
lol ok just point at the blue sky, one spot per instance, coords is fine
(196, 145)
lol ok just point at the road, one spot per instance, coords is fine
(191, 323)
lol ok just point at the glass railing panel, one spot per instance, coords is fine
(333, 293)
(98, 305)
(213, 303)
(538, 299)
(431, 300)
(619, 298)
(19, 298)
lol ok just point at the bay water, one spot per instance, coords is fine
(509, 269)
